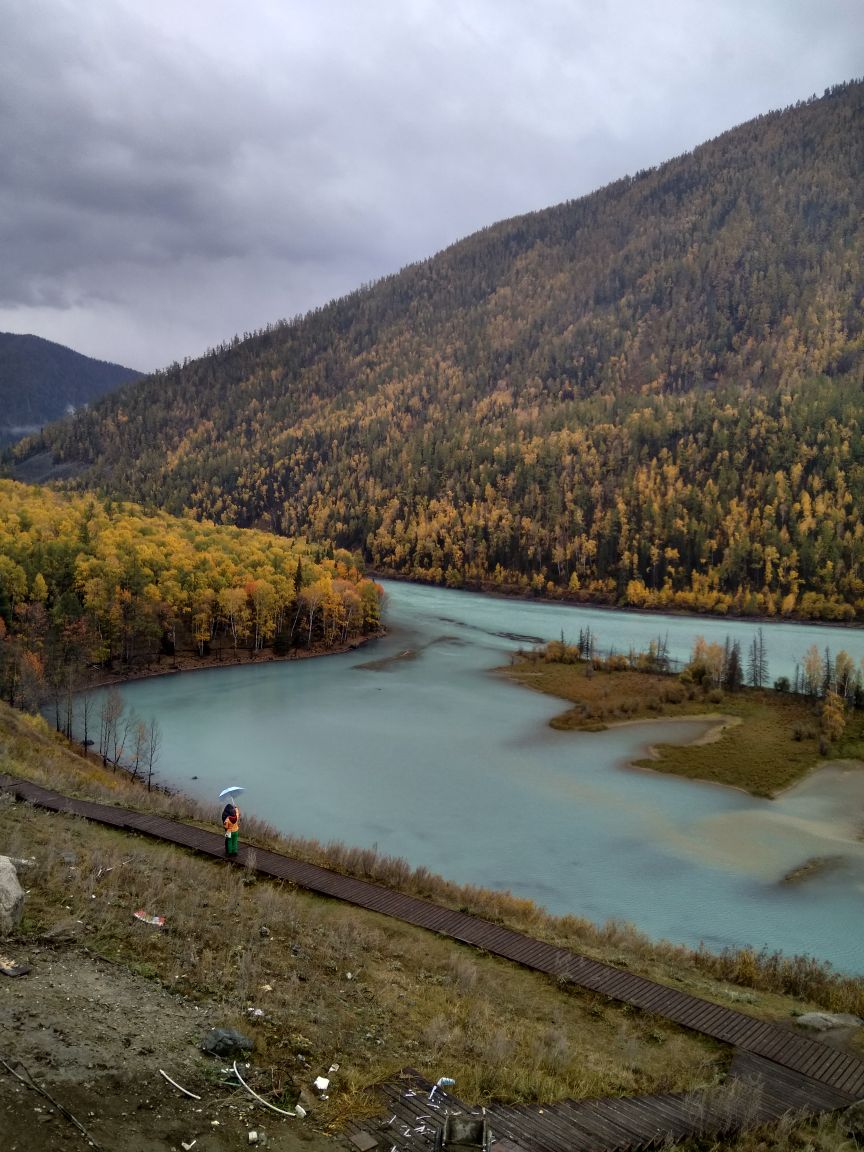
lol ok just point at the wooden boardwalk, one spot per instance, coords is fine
(794, 1070)
(756, 1092)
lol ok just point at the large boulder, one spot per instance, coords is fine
(11, 897)
(823, 1021)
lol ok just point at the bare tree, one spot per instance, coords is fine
(139, 747)
(85, 712)
(109, 718)
(154, 742)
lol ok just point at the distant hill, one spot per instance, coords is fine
(41, 381)
(649, 396)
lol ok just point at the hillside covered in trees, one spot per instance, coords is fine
(649, 396)
(41, 381)
(86, 585)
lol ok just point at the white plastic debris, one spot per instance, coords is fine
(322, 1083)
(441, 1082)
(299, 1110)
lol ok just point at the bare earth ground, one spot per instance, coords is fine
(95, 1035)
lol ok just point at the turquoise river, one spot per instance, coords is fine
(413, 745)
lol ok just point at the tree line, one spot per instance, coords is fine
(91, 587)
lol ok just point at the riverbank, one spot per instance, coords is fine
(515, 592)
(160, 665)
(35, 753)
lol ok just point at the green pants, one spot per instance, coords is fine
(231, 839)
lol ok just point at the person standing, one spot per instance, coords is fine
(231, 823)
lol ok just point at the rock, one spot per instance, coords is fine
(307, 1100)
(11, 897)
(226, 1042)
(822, 1021)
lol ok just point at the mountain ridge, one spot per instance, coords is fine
(40, 380)
(649, 395)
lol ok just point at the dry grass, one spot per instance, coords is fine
(826, 1133)
(335, 983)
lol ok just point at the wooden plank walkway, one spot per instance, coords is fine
(772, 1042)
(756, 1092)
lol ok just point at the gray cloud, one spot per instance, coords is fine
(177, 173)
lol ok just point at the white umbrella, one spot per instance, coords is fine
(234, 790)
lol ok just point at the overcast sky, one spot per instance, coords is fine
(177, 171)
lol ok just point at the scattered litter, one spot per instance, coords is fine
(266, 987)
(333, 1068)
(10, 968)
(300, 1111)
(186, 1146)
(441, 1082)
(157, 921)
(321, 1083)
(255, 1013)
(410, 1093)
(272, 1107)
(185, 1092)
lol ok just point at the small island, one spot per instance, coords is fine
(763, 739)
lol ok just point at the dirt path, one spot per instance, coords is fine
(95, 1035)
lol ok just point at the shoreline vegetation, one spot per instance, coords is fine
(191, 662)
(764, 739)
(584, 599)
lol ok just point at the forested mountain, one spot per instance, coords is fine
(651, 395)
(41, 381)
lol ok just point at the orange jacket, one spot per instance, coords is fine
(233, 825)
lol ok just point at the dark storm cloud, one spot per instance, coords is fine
(174, 173)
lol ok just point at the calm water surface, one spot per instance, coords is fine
(412, 746)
